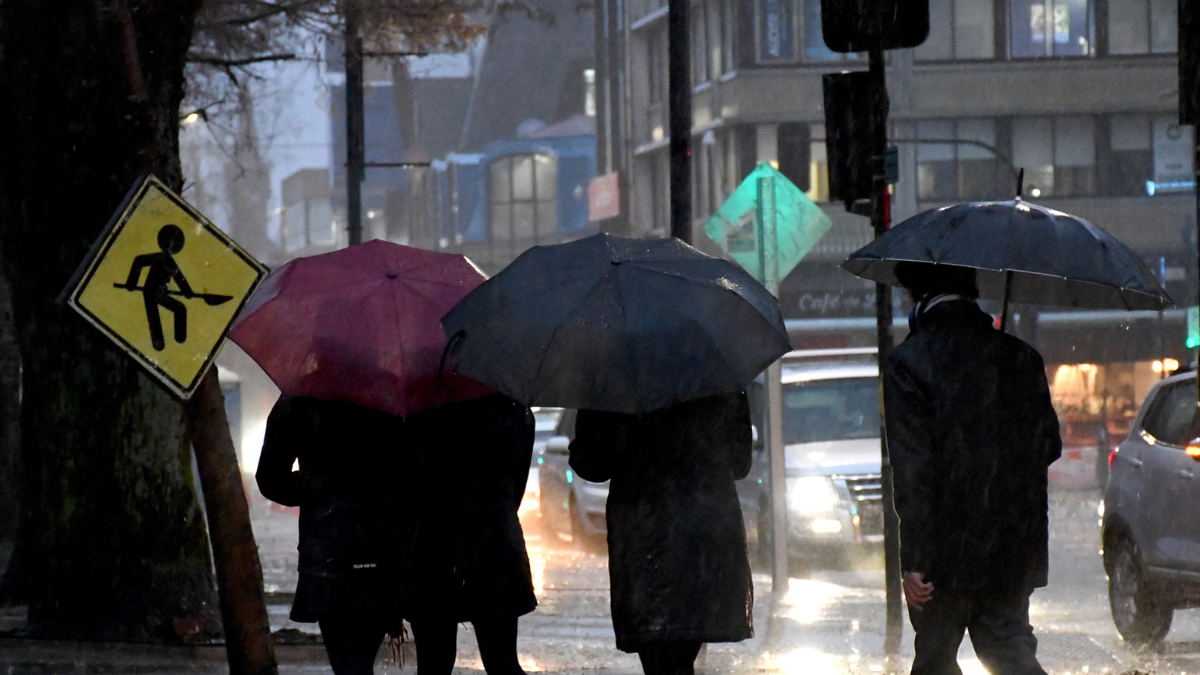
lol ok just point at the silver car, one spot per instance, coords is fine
(831, 430)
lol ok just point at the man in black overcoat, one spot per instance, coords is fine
(970, 432)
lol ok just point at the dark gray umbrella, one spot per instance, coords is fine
(611, 323)
(1021, 251)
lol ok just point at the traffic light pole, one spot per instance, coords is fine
(880, 220)
(355, 154)
(679, 111)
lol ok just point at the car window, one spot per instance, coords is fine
(831, 410)
(1169, 420)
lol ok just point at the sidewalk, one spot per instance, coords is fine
(830, 623)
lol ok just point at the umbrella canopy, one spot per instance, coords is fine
(1054, 258)
(360, 325)
(611, 323)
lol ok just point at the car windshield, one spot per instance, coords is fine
(831, 410)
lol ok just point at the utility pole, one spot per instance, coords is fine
(768, 261)
(880, 220)
(1189, 111)
(355, 142)
(679, 111)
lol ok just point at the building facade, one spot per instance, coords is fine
(1081, 94)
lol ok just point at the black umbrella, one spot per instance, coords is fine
(1020, 251)
(612, 323)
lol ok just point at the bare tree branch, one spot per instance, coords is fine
(211, 60)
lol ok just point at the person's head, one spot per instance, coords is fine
(925, 279)
(170, 239)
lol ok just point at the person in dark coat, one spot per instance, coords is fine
(472, 563)
(677, 554)
(353, 544)
(970, 433)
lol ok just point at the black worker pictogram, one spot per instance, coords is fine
(156, 291)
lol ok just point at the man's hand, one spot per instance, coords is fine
(916, 590)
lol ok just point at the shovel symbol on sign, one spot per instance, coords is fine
(155, 292)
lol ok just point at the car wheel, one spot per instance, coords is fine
(1142, 619)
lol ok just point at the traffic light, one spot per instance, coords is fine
(849, 136)
(794, 150)
(860, 25)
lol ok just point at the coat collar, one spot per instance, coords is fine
(945, 308)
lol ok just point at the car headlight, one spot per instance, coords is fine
(811, 494)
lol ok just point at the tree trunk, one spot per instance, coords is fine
(113, 541)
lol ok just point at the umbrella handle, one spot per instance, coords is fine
(1007, 292)
(453, 342)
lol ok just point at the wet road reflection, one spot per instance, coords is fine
(829, 621)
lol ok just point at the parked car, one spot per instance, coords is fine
(831, 434)
(1150, 515)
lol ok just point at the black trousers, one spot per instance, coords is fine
(669, 658)
(437, 645)
(352, 642)
(998, 622)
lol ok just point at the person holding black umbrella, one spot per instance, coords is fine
(970, 434)
(678, 563)
(470, 562)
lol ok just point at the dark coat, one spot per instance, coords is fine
(676, 542)
(472, 562)
(353, 546)
(970, 432)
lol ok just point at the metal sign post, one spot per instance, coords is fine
(769, 264)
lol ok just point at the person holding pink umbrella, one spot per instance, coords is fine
(354, 340)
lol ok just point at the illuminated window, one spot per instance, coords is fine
(521, 194)
(1041, 28)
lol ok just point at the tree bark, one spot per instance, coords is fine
(113, 542)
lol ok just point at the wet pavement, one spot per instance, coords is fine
(830, 621)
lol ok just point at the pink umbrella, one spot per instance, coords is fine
(362, 325)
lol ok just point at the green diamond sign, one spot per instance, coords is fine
(799, 223)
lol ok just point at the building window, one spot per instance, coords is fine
(1058, 155)
(1041, 28)
(729, 29)
(818, 173)
(1130, 161)
(1146, 155)
(1142, 26)
(965, 166)
(521, 196)
(959, 30)
(715, 10)
(776, 31)
(699, 43)
(815, 48)
(656, 82)
(308, 223)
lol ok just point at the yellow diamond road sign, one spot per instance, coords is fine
(165, 284)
